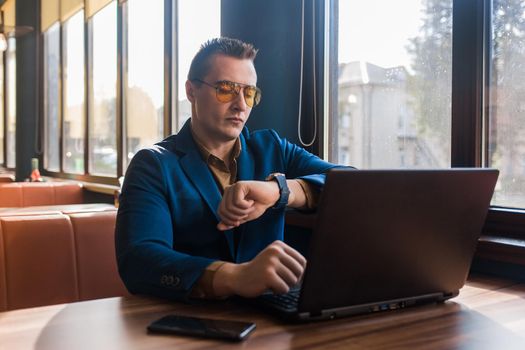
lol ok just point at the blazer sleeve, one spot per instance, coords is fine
(147, 262)
(301, 164)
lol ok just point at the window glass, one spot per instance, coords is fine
(506, 126)
(191, 34)
(2, 114)
(394, 84)
(51, 97)
(11, 102)
(102, 94)
(144, 87)
(74, 94)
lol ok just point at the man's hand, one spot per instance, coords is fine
(245, 201)
(278, 267)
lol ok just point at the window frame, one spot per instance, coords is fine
(170, 77)
(471, 43)
(503, 234)
(471, 40)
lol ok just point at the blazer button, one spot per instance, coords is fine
(176, 281)
(169, 280)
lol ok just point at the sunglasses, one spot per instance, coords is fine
(227, 91)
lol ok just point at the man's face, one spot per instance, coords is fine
(218, 121)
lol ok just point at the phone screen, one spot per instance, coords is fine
(203, 327)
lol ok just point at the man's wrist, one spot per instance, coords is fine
(224, 279)
(297, 194)
(292, 195)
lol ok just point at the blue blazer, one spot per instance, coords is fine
(166, 231)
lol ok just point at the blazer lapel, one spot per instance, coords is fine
(245, 171)
(245, 163)
(201, 177)
(196, 169)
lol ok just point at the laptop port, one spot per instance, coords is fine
(393, 306)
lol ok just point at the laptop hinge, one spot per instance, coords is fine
(315, 313)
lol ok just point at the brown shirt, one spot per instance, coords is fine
(225, 174)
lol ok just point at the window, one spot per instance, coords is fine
(119, 107)
(144, 77)
(52, 97)
(394, 84)
(73, 94)
(191, 34)
(506, 128)
(2, 113)
(102, 92)
(11, 103)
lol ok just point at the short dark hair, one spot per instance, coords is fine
(200, 65)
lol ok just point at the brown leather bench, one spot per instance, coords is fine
(56, 258)
(7, 177)
(23, 194)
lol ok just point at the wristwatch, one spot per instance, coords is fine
(284, 191)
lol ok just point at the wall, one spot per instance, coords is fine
(274, 27)
(27, 14)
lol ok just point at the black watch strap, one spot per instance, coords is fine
(284, 191)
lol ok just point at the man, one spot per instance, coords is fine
(202, 213)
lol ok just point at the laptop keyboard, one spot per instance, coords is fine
(287, 302)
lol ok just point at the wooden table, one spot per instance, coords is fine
(488, 314)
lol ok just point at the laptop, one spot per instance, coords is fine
(389, 239)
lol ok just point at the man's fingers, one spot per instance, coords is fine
(277, 284)
(287, 275)
(236, 211)
(294, 254)
(221, 226)
(291, 264)
(239, 200)
(236, 195)
(226, 215)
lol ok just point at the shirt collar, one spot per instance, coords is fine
(206, 154)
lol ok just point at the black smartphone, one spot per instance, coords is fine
(202, 327)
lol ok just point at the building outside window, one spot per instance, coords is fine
(394, 84)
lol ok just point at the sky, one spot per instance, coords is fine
(377, 31)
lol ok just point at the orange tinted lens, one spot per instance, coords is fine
(249, 95)
(252, 96)
(225, 91)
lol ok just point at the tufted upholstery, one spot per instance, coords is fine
(96, 262)
(56, 258)
(23, 194)
(39, 260)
